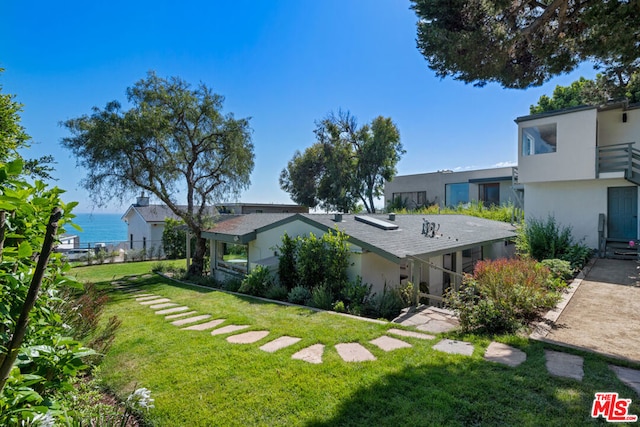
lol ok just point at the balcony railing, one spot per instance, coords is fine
(619, 158)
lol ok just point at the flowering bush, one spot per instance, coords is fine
(503, 295)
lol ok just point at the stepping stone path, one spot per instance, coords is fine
(190, 320)
(429, 319)
(454, 347)
(504, 354)
(389, 344)
(204, 326)
(561, 364)
(163, 305)
(229, 329)
(354, 352)
(173, 310)
(312, 354)
(279, 343)
(247, 337)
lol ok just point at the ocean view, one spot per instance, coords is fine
(99, 228)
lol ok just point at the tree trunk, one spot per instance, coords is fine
(197, 262)
(32, 296)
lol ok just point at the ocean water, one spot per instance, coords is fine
(99, 228)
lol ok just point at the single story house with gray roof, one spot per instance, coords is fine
(432, 250)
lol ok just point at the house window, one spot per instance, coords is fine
(539, 139)
(130, 241)
(455, 194)
(490, 194)
(410, 199)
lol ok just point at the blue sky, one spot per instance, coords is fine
(284, 63)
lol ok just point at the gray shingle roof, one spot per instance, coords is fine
(456, 232)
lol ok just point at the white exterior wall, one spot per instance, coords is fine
(155, 236)
(575, 154)
(265, 243)
(378, 271)
(137, 227)
(612, 130)
(576, 204)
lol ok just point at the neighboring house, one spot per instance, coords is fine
(68, 241)
(385, 250)
(582, 166)
(449, 189)
(145, 222)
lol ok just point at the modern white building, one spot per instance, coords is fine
(449, 189)
(581, 166)
(430, 250)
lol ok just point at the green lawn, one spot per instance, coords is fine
(202, 380)
(107, 272)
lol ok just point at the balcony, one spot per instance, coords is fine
(619, 158)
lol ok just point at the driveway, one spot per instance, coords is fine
(604, 313)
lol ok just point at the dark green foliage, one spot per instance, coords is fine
(287, 273)
(299, 295)
(524, 44)
(174, 239)
(257, 282)
(277, 292)
(503, 295)
(548, 240)
(322, 297)
(591, 92)
(387, 305)
(232, 285)
(347, 165)
(356, 296)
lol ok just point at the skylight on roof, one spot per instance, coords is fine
(383, 225)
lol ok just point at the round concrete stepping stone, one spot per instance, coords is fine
(163, 305)
(455, 347)
(146, 297)
(204, 326)
(146, 276)
(565, 365)
(389, 344)
(190, 320)
(630, 377)
(154, 301)
(279, 343)
(504, 354)
(132, 278)
(228, 329)
(173, 310)
(247, 337)
(175, 316)
(410, 334)
(117, 282)
(354, 352)
(312, 354)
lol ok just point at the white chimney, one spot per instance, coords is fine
(142, 200)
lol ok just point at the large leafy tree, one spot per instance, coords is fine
(520, 43)
(346, 165)
(173, 139)
(589, 92)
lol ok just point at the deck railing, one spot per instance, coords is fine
(619, 158)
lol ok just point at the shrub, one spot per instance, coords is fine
(356, 295)
(232, 285)
(277, 291)
(339, 307)
(321, 297)
(388, 304)
(257, 282)
(543, 239)
(287, 262)
(159, 267)
(559, 268)
(299, 295)
(503, 295)
(578, 255)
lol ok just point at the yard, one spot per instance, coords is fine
(199, 379)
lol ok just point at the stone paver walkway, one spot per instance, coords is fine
(430, 319)
(504, 354)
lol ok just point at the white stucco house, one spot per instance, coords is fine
(582, 166)
(384, 249)
(448, 189)
(145, 221)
